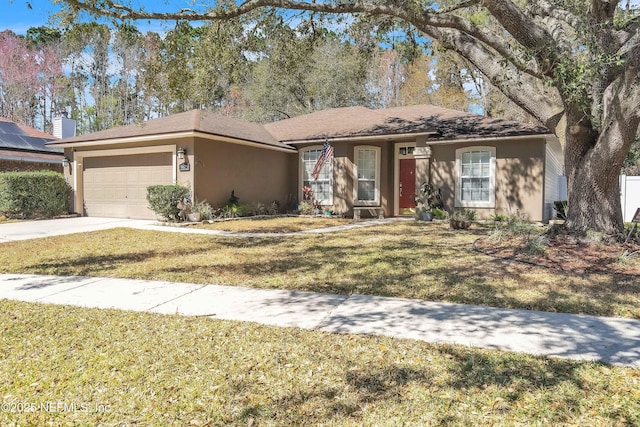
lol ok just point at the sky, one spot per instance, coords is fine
(16, 16)
(20, 15)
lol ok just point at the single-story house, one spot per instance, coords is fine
(380, 159)
(23, 148)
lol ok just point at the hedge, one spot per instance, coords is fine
(43, 194)
(164, 199)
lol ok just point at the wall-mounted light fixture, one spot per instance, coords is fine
(65, 162)
(181, 152)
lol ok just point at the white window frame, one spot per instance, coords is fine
(492, 179)
(328, 163)
(356, 155)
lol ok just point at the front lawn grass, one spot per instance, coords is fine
(407, 259)
(80, 366)
(275, 225)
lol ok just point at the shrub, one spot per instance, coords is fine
(464, 215)
(514, 226)
(440, 213)
(204, 209)
(236, 210)
(305, 208)
(258, 209)
(164, 200)
(428, 198)
(537, 245)
(42, 194)
(627, 256)
(499, 218)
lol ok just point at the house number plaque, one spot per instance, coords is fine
(184, 167)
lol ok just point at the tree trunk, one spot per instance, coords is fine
(594, 202)
(593, 163)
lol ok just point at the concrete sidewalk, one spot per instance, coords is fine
(578, 337)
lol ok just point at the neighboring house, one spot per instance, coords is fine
(380, 159)
(23, 148)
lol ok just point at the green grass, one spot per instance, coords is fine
(144, 369)
(424, 261)
(274, 225)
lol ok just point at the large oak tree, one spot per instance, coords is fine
(586, 52)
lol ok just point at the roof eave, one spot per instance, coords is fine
(164, 136)
(445, 141)
(362, 138)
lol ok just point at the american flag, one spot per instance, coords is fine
(326, 153)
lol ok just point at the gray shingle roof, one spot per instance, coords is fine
(349, 122)
(363, 122)
(189, 121)
(23, 138)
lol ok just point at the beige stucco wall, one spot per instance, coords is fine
(519, 176)
(344, 177)
(215, 168)
(256, 174)
(260, 174)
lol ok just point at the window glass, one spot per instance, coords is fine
(366, 165)
(322, 186)
(475, 176)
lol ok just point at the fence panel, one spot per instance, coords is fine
(629, 195)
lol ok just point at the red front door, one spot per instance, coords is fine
(407, 186)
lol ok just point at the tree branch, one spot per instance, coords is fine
(453, 8)
(521, 27)
(543, 7)
(497, 42)
(545, 107)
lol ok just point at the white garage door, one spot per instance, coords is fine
(116, 186)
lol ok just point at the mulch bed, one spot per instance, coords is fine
(567, 254)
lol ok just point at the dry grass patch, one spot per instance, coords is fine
(408, 259)
(275, 225)
(143, 369)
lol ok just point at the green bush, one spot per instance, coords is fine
(440, 213)
(43, 194)
(164, 199)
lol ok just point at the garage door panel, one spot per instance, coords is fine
(116, 186)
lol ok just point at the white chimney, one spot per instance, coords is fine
(64, 127)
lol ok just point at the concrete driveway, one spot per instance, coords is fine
(14, 231)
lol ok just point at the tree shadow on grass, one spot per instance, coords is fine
(453, 388)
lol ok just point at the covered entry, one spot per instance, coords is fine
(116, 186)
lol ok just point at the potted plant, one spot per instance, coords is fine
(462, 219)
(187, 212)
(194, 212)
(427, 199)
